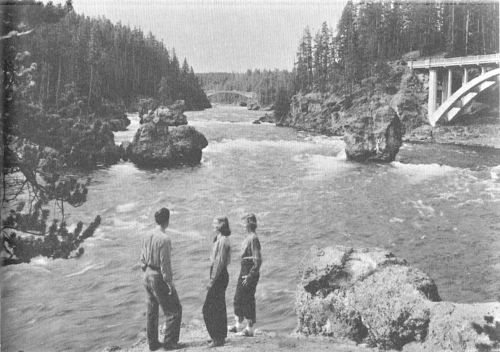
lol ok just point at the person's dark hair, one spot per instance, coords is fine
(162, 216)
(223, 226)
(250, 222)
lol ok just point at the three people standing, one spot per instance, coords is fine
(156, 264)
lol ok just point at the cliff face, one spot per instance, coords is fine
(332, 114)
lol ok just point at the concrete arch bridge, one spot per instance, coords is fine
(230, 96)
(451, 102)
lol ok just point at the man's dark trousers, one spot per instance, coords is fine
(158, 295)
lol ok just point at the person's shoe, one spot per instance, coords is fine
(237, 327)
(174, 346)
(154, 346)
(248, 332)
(216, 343)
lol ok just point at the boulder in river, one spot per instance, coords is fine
(375, 137)
(369, 295)
(164, 140)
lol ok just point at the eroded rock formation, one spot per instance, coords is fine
(369, 295)
(165, 140)
(376, 137)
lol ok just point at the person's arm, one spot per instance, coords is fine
(257, 257)
(221, 260)
(165, 264)
(143, 258)
(257, 261)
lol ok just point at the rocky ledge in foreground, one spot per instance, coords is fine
(370, 296)
(194, 338)
(165, 140)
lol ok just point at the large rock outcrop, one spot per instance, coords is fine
(374, 138)
(332, 114)
(165, 140)
(313, 112)
(370, 296)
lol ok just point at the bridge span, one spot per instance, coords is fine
(248, 95)
(442, 70)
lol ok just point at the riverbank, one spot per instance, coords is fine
(350, 298)
(194, 338)
(406, 93)
(484, 133)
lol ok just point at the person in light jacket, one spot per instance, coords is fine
(155, 262)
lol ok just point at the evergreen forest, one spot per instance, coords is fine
(67, 81)
(370, 33)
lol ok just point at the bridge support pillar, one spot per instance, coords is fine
(447, 85)
(432, 91)
(483, 70)
(465, 77)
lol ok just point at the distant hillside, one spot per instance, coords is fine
(266, 84)
(101, 61)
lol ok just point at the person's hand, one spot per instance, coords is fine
(245, 280)
(170, 289)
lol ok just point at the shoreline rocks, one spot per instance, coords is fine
(370, 296)
(269, 118)
(363, 300)
(164, 139)
(406, 94)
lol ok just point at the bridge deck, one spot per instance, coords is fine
(250, 95)
(455, 61)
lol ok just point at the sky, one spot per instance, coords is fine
(223, 35)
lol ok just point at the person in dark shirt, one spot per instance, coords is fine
(244, 298)
(155, 262)
(214, 309)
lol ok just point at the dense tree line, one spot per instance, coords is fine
(265, 83)
(102, 61)
(372, 32)
(62, 75)
(34, 176)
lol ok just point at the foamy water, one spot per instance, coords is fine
(437, 206)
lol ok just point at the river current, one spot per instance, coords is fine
(437, 206)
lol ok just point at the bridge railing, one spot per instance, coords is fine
(455, 61)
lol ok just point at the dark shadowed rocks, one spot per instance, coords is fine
(269, 118)
(375, 137)
(370, 296)
(253, 105)
(165, 140)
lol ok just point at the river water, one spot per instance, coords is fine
(437, 206)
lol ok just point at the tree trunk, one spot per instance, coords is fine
(58, 84)
(482, 35)
(467, 33)
(48, 84)
(90, 87)
(452, 28)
